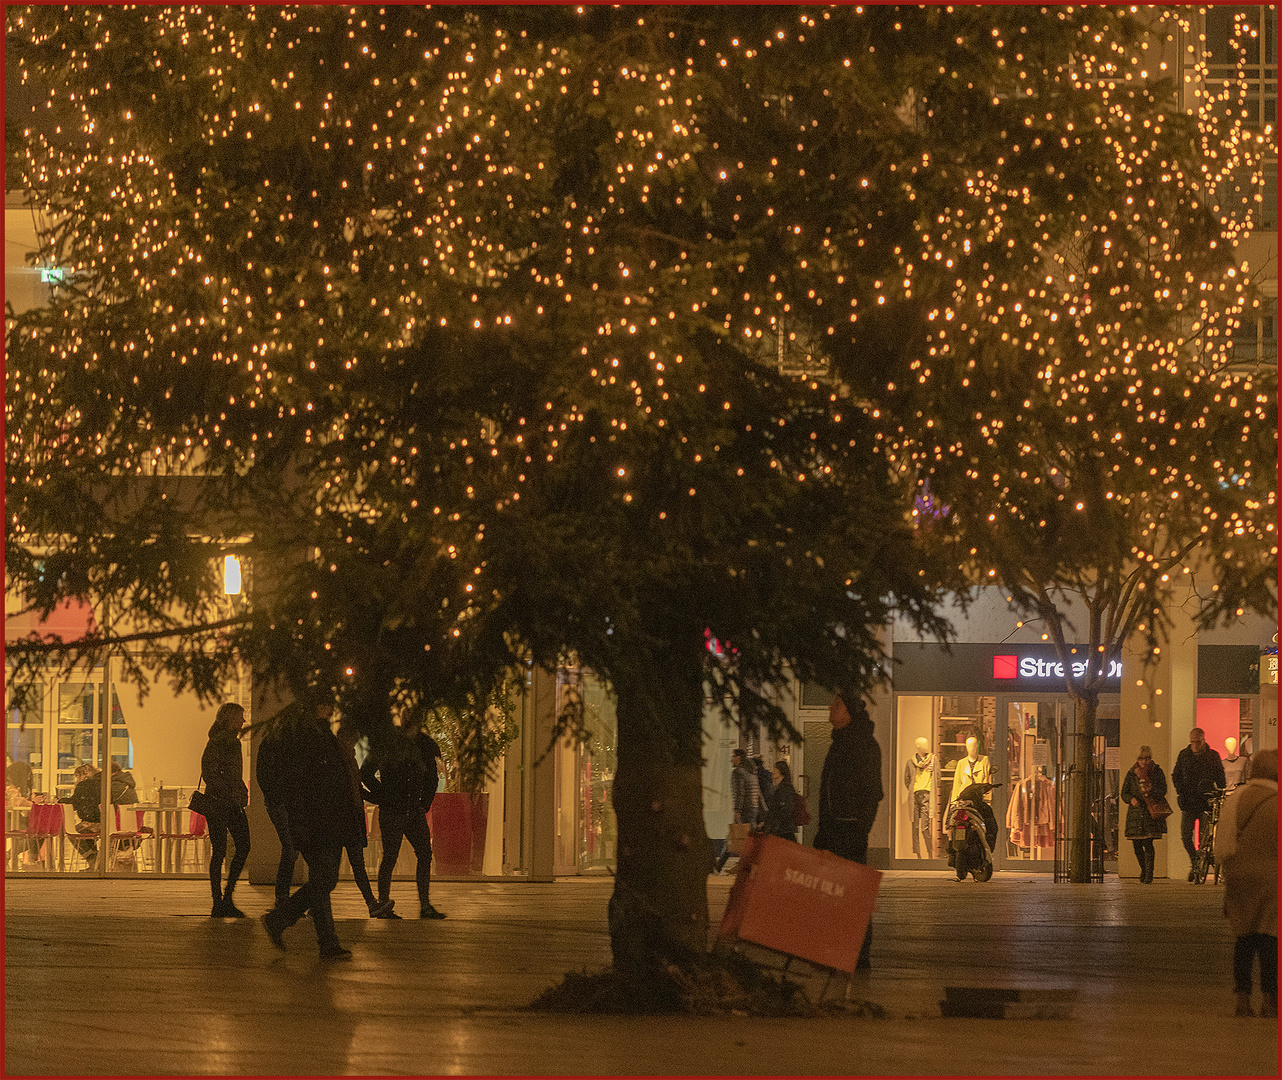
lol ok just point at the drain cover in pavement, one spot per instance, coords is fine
(1008, 1002)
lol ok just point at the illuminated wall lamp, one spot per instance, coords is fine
(231, 575)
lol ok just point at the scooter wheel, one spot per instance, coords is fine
(961, 866)
(983, 874)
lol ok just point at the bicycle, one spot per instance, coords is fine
(1205, 857)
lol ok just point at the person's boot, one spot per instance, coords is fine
(219, 910)
(1244, 1005)
(1269, 1007)
(275, 929)
(230, 910)
(1150, 857)
(383, 910)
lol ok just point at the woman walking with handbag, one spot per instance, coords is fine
(1145, 790)
(781, 806)
(222, 768)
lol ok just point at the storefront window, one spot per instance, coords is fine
(1033, 730)
(586, 837)
(598, 758)
(936, 759)
(1229, 725)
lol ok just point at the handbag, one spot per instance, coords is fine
(738, 838)
(800, 811)
(1158, 808)
(201, 802)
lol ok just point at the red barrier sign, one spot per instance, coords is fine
(806, 903)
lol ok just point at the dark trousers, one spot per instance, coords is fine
(849, 840)
(1146, 855)
(356, 857)
(288, 853)
(1186, 830)
(323, 861)
(921, 825)
(413, 827)
(225, 820)
(1245, 949)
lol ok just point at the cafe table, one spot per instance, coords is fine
(162, 820)
(16, 817)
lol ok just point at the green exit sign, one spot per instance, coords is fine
(51, 275)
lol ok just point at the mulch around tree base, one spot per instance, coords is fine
(712, 985)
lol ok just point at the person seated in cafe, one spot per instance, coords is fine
(86, 800)
(18, 774)
(124, 789)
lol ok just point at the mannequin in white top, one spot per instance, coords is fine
(1236, 766)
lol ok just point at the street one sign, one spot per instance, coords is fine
(995, 668)
(1009, 666)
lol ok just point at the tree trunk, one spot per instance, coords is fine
(659, 910)
(1080, 788)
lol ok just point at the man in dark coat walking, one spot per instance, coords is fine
(402, 779)
(1198, 771)
(310, 781)
(850, 790)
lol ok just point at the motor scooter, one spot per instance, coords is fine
(971, 828)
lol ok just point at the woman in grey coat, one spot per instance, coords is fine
(1145, 779)
(1246, 842)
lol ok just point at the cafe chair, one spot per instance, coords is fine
(127, 839)
(71, 831)
(195, 832)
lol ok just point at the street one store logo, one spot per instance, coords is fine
(1031, 667)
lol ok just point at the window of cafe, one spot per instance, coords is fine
(54, 727)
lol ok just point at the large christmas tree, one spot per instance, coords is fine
(499, 336)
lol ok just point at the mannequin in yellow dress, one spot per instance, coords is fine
(972, 769)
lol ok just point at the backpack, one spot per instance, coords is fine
(800, 810)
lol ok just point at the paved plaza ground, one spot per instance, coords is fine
(131, 977)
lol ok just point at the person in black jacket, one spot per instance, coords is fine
(402, 779)
(306, 775)
(269, 769)
(1198, 772)
(850, 791)
(781, 807)
(222, 767)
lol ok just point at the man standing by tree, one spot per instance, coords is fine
(1198, 770)
(745, 795)
(849, 792)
